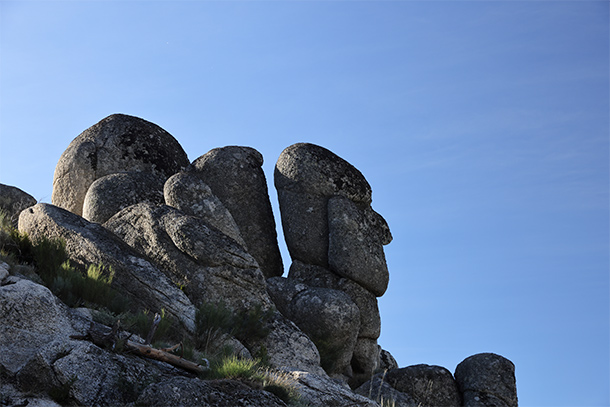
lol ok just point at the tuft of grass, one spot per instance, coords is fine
(232, 367)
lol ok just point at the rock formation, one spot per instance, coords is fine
(117, 143)
(336, 241)
(13, 201)
(177, 237)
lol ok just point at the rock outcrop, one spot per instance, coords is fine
(487, 379)
(178, 237)
(209, 265)
(117, 143)
(90, 243)
(13, 201)
(236, 177)
(335, 240)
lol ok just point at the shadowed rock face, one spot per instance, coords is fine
(487, 379)
(117, 143)
(90, 243)
(329, 317)
(418, 385)
(210, 266)
(13, 201)
(306, 176)
(335, 240)
(235, 176)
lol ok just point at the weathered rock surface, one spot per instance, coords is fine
(13, 200)
(328, 316)
(355, 248)
(487, 380)
(323, 391)
(38, 358)
(187, 192)
(306, 176)
(386, 360)
(90, 243)
(288, 347)
(183, 392)
(109, 194)
(366, 357)
(117, 143)
(316, 276)
(216, 240)
(31, 318)
(209, 265)
(419, 385)
(235, 176)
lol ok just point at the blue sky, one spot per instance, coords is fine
(482, 127)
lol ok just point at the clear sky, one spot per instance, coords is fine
(482, 127)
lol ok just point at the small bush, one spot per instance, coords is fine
(253, 324)
(212, 322)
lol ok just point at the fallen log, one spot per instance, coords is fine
(108, 338)
(158, 354)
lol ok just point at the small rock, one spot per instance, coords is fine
(111, 193)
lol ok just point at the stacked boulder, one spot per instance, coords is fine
(117, 144)
(336, 243)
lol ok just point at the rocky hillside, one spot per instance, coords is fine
(142, 249)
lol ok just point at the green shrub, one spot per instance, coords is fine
(253, 324)
(232, 367)
(212, 322)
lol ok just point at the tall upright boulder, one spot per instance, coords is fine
(187, 192)
(306, 176)
(236, 177)
(335, 239)
(115, 144)
(487, 380)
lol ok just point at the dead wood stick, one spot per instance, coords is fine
(157, 354)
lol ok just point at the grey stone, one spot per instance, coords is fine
(90, 243)
(432, 386)
(31, 317)
(319, 390)
(209, 265)
(97, 377)
(386, 360)
(187, 192)
(328, 316)
(365, 361)
(115, 144)
(13, 200)
(288, 347)
(305, 176)
(235, 176)
(356, 246)
(316, 276)
(419, 385)
(379, 390)
(109, 194)
(487, 380)
(183, 392)
(4, 268)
